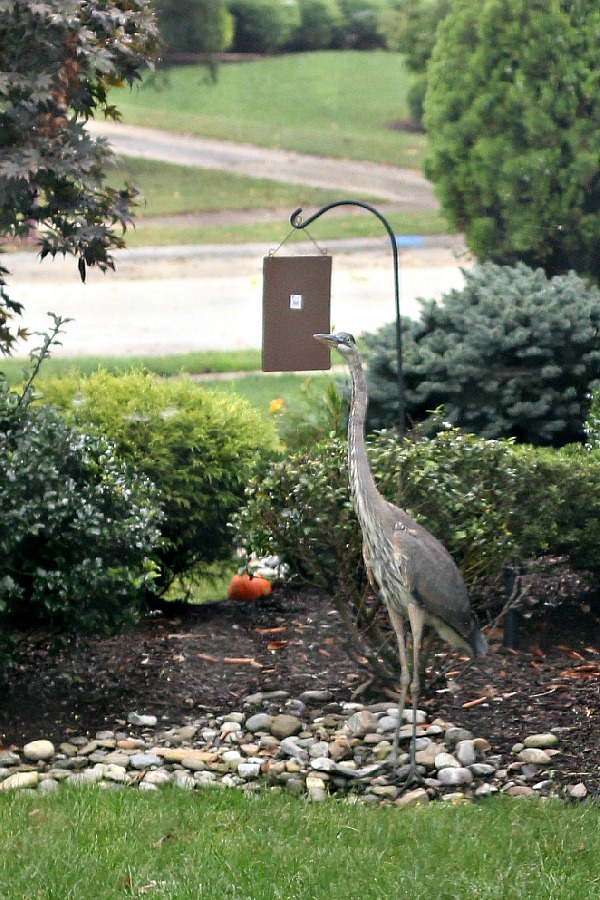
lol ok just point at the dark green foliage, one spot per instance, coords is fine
(262, 26)
(320, 21)
(58, 60)
(458, 486)
(198, 447)
(557, 505)
(512, 354)
(77, 528)
(487, 501)
(513, 116)
(361, 29)
(197, 26)
(410, 28)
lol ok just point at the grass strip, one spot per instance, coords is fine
(218, 844)
(168, 366)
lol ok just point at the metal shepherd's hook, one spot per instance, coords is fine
(297, 222)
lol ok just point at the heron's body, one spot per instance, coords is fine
(415, 574)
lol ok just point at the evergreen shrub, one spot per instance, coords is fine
(78, 528)
(198, 446)
(512, 113)
(319, 23)
(513, 353)
(262, 26)
(361, 24)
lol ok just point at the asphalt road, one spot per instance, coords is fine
(179, 299)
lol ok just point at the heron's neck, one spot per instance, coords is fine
(362, 483)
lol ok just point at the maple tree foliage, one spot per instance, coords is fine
(58, 60)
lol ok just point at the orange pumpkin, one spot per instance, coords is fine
(244, 587)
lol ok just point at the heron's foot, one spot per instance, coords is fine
(409, 776)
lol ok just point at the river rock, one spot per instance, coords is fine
(158, 777)
(455, 776)
(446, 761)
(141, 721)
(145, 760)
(535, 756)
(387, 724)
(20, 780)
(289, 747)
(361, 723)
(427, 756)
(465, 752)
(453, 735)
(35, 751)
(249, 770)
(285, 725)
(412, 798)
(546, 741)
(8, 758)
(48, 786)
(259, 722)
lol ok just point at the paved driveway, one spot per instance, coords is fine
(179, 299)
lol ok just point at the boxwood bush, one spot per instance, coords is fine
(487, 501)
(78, 528)
(198, 446)
(512, 354)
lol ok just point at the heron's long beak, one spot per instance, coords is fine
(332, 340)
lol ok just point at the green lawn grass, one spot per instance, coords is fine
(87, 844)
(170, 189)
(260, 390)
(334, 103)
(169, 366)
(423, 222)
(173, 190)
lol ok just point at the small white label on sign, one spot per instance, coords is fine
(295, 301)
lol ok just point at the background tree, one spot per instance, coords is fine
(195, 26)
(410, 27)
(513, 115)
(58, 60)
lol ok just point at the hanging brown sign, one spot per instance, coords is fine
(296, 305)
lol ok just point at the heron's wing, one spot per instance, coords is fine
(430, 574)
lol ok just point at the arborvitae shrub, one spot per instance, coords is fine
(198, 446)
(512, 354)
(512, 113)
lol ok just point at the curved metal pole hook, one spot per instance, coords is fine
(297, 222)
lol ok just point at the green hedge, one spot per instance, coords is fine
(198, 446)
(78, 528)
(486, 501)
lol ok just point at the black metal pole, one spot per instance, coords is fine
(297, 222)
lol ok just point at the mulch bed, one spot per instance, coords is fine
(189, 659)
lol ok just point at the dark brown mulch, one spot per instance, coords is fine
(211, 657)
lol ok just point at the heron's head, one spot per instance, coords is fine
(341, 341)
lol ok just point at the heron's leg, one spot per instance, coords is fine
(416, 617)
(397, 621)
